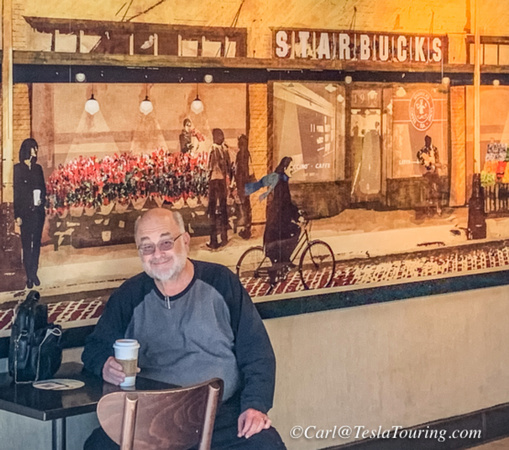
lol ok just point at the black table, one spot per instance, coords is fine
(44, 405)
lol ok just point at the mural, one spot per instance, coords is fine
(296, 181)
(381, 152)
(104, 166)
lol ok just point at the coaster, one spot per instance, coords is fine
(58, 384)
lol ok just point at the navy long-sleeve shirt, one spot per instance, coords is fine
(211, 329)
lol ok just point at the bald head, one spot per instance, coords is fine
(159, 217)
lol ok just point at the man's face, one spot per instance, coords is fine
(218, 138)
(162, 265)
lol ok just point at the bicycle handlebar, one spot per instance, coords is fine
(303, 220)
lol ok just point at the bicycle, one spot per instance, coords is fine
(315, 257)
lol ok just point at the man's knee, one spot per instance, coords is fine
(266, 439)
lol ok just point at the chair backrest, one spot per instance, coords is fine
(174, 419)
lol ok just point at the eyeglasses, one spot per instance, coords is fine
(164, 246)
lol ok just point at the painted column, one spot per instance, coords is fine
(7, 99)
(477, 91)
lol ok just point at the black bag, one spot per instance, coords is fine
(35, 352)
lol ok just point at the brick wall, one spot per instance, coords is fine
(257, 116)
(21, 106)
(21, 117)
(20, 27)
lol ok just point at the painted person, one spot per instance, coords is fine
(194, 321)
(29, 202)
(281, 230)
(282, 215)
(186, 137)
(219, 175)
(241, 175)
(428, 158)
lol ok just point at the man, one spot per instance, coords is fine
(428, 158)
(194, 321)
(186, 137)
(242, 176)
(219, 176)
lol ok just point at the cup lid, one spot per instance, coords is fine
(126, 343)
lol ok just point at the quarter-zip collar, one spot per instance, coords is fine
(167, 299)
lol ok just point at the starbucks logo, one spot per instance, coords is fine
(422, 110)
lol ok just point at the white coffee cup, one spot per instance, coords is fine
(126, 353)
(37, 197)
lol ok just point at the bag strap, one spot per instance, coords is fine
(16, 347)
(56, 331)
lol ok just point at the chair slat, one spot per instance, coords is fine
(173, 419)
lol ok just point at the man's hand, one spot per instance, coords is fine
(251, 422)
(113, 372)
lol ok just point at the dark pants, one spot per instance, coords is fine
(433, 187)
(224, 437)
(217, 204)
(31, 233)
(245, 211)
(281, 251)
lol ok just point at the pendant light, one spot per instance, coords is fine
(146, 106)
(197, 104)
(92, 105)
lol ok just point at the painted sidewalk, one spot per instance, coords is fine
(368, 253)
(383, 270)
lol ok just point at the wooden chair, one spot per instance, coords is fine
(174, 419)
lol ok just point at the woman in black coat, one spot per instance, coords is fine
(29, 202)
(281, 229)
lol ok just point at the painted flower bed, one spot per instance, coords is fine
(88, 184)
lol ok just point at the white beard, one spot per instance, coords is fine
(168, 274)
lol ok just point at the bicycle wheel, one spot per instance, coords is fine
(317, 264)
(253, 263)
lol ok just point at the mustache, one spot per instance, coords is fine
(161, 259)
